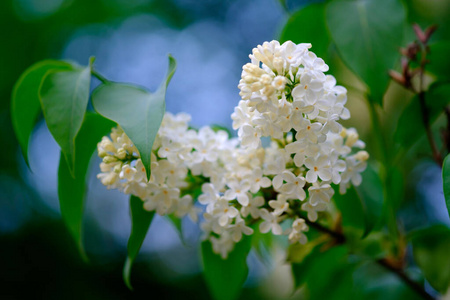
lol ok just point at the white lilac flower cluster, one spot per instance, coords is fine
(285, 96)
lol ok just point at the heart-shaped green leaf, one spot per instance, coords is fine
(368, 34)
(72, 190)
(225, 277)
(137, 111)
(140, 223)
(25, 105)
(64, 97)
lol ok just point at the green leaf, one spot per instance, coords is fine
(352, 210)
(141, 220)
(327, 273)
(177, 223)
(430, 250)
(308, 26)
(438, 58)
(225, 277)
(446, 181)
(371, 193)
(137, 111)
(361, 207)
(368, 35)
(374, 282)
(64, 97)
(72, 190)
(330, 275)
(410, 125)
(25, 105)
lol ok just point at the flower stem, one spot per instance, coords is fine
(99, 76)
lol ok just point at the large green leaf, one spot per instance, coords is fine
(302, 265)
(308, 26)
(137, 111)
(362, 206)
(140, 223)
(25, 105)
(430, 250)
(371, 281)
(326, 272)
(225, 277)
(64, 97)
(439, 62)
(410, 125)
(368, 34)
(330, 276)
(352, 210)
(446, 181)
(72, 190)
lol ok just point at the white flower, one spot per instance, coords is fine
(312, 210)
(224, 212)
(270, 223)
(250, 136)
(280, 205)
(222, 245)
(293, 186)
(296, 233)
(311, 132)
(320, 193)
(318, 167)
(253, 207)
(209, 196)
(257, 181)
(238, 190)
(239, 228)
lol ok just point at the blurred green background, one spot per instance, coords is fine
(211, 41)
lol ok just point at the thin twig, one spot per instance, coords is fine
(382, 262)
(424, 110)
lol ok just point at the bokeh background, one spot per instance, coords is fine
(211, 40)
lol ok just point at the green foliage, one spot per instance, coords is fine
(362, 206)
(410, 126)
(141, 220)
(430, 249)
(438, 58)
(25, 104)
(137, 111)
(308, 26)
(225, 277)
(352, 210)
(368, 35)
(72, 189)
(446, 181)
(326, 272)
(64, 97)
(373, 282)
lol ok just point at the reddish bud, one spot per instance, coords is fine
(397, 77)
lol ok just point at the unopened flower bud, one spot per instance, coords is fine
(102, 153)
(109, 159)
(362, 156)
(121, 153)
(118, 168)
(352, 138)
